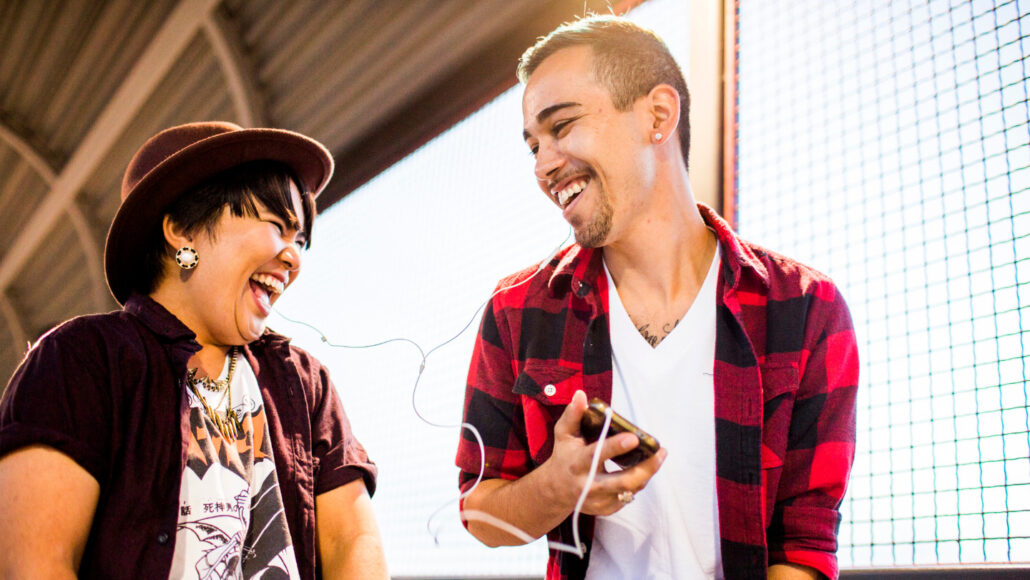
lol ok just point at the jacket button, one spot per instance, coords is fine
(162, 538)
(549, 390)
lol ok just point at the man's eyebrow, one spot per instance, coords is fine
(547, 112)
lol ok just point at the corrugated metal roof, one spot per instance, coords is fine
(84, 82)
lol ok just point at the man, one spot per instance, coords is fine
(741, 362)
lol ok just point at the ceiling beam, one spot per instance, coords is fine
(227, 44)
(90, 245)
(27, 151)
(91, 248)
(179, 28)
(14, 325)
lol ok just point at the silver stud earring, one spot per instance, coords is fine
(657, 137)
(187, 258)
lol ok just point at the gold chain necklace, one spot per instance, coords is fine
(214, 385)
(229, 424)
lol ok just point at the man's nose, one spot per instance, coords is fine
(548, 161)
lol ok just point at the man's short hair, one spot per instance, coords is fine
(628, 60)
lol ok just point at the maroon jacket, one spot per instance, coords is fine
(108, 391)
(785, 374)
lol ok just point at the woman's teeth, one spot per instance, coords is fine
(273, 284)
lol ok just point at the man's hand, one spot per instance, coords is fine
(568, 467)
(543, 498)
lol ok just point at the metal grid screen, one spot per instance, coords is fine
(886, 143)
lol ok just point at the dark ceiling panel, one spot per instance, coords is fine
(451, 98)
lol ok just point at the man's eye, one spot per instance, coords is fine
(560, 126)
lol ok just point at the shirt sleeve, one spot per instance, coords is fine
(60, 396)
(821, 440)
(492, 436)
(340, 458)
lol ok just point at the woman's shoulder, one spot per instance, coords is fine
(94, 330)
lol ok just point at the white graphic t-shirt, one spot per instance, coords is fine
(231, 518)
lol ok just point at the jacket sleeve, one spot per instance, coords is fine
(821, 439)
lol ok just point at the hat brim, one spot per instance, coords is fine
(144, 207)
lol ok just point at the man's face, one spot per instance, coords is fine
(592, 160)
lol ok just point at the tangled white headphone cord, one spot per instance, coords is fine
(475, 515)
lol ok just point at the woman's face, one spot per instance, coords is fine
(245, 264)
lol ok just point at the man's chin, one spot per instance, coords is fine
(590, 237)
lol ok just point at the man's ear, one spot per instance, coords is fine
(173, 233)
(664, 108)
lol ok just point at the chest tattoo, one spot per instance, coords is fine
(654, 336)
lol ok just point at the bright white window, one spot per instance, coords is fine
(886, 143)
(413, 254)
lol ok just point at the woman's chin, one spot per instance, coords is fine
(251, 330)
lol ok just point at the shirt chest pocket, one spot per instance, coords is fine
(545, 389)
(780, 381)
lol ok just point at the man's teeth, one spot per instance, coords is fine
(566, 194)
(274, 285)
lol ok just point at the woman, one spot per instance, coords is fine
(178, 437)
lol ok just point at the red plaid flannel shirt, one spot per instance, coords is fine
(785, 372)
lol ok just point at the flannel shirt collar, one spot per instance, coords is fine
(579, 266)
(738, 256)
(576, 271)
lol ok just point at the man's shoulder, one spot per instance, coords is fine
(789, 276)
(545, 280)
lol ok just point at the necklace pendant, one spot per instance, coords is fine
(234, 422)
(225, 428)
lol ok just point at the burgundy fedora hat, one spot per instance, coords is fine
(180, 158)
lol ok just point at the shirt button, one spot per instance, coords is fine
(162, 538)
(549, 390)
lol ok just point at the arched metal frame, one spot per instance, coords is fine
(178, 30)
(228, 48)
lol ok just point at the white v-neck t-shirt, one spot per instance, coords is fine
(671, 529)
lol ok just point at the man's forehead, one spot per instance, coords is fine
(564, 79)
(542, 115)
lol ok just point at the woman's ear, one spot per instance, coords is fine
(664, 108)
(185, 255)
(173, 233)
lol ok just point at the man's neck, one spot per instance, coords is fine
(660, 262)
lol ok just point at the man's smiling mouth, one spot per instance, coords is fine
(570, 191)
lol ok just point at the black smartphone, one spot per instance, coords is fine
(593, 421)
